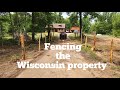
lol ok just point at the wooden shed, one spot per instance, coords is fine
(75, 28)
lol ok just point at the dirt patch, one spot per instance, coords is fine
(81, 57)
(103, 44)
(9, 55)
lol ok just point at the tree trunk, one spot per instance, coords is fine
(33, 26)
(80, 14)
(41, 35)
(49, 33)
(12, 27)
(24, 28)
(17, 29)
(1, 34)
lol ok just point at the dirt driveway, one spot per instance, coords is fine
(49, 57)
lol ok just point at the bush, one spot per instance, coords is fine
(116, 32)
(8, 42)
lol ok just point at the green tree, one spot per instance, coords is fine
(49, 21)
(42, 22)
(18, 23)
(33, 25)
(116, 24)
(86, 24)
(67, 23)
(103, 23)
(74, 19)
(58, 18)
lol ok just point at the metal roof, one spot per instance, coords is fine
(57, 25)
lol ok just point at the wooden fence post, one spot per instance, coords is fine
(22, 46)
(45, 38)
(53, 32)
(39, 43)
(94, 47)
(50, 37)
(111, 52)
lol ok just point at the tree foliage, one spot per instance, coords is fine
(74, 19)
(107, 23)
(116, 24)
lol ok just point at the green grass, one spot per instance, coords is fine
(87, 50)
(15, 57)
(43, 34)
(91, 53)
(73, 38)
(8, 37)
(7, 41)
(115, 68)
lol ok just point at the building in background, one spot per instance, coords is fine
(75, 28)
(57, 27)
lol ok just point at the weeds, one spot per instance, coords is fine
(15, 57)
(92, 54)
(115, 68)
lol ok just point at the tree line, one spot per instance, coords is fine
(104, 23)
(14, 23)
